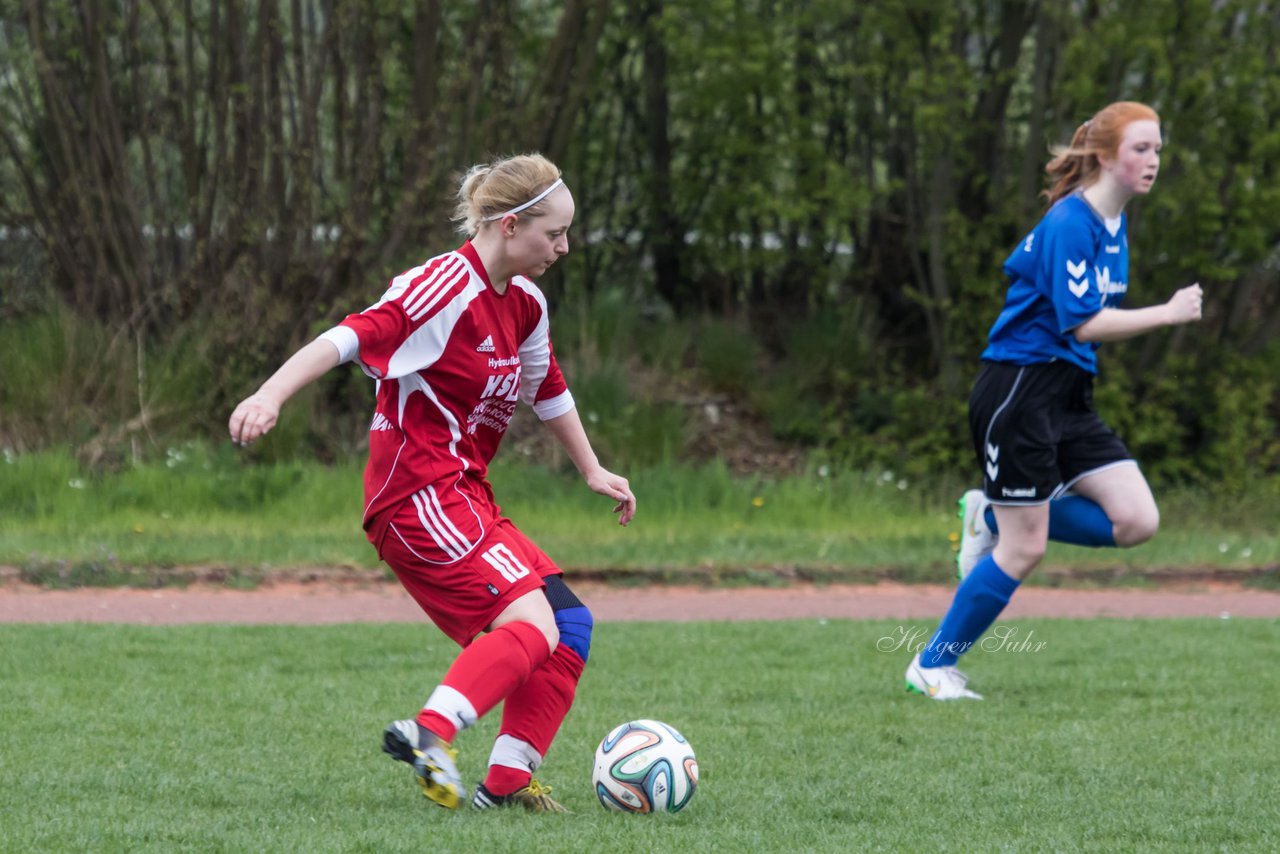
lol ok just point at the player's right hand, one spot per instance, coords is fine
(1186, 305)
(255, 415)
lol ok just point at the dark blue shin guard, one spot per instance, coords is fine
(573, 619)
(575, 629)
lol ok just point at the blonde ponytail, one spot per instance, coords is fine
(488, 189)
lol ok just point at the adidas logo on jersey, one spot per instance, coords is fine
(486, 346)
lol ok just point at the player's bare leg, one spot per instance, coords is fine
(1124, 495)
(1024, 536)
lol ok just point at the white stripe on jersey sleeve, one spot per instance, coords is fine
(555, 407)
(345, 340)
(405, 280)
(535, 351)
(424, 297)
(402, 282)
(423, 279)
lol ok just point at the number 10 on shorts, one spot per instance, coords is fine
(508, 566)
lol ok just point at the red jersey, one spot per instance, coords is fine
(452, 357)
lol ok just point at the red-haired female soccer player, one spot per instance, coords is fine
(1052, 469)
(454, 344)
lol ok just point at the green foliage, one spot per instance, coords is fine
(802, 208)
(727, 356)
(1017, 771)
(632, 429)
(1208, 421)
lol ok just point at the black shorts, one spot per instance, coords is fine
(1035, 431)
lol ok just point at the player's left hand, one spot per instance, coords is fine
(614, 486)
(1187, 304)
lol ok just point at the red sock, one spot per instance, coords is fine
(490, 668)
(502, 780)
(532, 714)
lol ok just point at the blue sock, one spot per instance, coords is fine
(1080, 521)
(1073, 519)
(978, 601)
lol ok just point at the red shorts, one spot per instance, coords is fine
(462, 562)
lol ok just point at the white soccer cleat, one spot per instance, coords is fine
(938, 683)
(433, 761)
(976, 539)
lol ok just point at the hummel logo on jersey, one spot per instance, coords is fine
(993, 455)
(1076, 282)
(1108, 287)
(486, 346)
(1026, 247)
(380, 422)
(1105, 285)
(1113, 250)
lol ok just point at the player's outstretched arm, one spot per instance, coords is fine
(568, 431)
(258, 412)
(1117, 324)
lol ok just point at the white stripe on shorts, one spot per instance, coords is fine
(426, 515)
(446, 522)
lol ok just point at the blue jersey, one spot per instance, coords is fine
(1070, 267)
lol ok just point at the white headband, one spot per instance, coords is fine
(527, 204)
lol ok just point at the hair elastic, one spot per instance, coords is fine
(527, 204)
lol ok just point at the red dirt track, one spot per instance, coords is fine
(324, 602)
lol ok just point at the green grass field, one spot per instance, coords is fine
(1112, 736)
(209, 507)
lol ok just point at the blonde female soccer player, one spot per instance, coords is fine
(454, 344)
(1052, 469)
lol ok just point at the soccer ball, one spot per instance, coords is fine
(644, 766)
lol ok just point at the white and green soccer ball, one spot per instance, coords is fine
(644, 766)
